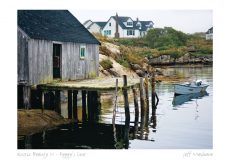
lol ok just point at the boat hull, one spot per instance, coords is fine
(187, 89)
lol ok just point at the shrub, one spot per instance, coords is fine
(106, 64)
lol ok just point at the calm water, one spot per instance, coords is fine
(182, 122)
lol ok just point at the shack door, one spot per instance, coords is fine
(56, 60)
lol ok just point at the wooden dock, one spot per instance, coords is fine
(98, 84)
(48, 96)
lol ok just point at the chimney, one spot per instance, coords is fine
(117, 35)
(137, 19)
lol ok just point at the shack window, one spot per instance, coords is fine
(82, 52)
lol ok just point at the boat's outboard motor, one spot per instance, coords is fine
(198, 82)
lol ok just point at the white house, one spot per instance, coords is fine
(209, 34)
(94, 27)
(120, 27)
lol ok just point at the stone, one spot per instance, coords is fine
(135, 67)
(140, 73)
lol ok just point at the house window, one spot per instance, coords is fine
(110, 24)
(107, 32)
(130, 33)
(129, 23)
(82, 52)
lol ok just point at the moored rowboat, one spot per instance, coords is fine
(188, 88)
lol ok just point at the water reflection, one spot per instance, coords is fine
(161, 127)
(181, 99)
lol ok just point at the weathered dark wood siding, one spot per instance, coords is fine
(23, 65)
(75, 68)
(40, 61)
(35, 60)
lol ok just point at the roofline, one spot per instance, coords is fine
(24, 33)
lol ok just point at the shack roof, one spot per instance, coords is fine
(54, 25)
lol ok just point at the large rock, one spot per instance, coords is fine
(140, 73)
(113, 72)
(135, 67)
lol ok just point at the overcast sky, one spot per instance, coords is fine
(188, 21)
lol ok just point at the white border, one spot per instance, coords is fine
(8, 64)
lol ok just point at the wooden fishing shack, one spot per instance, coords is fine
(53, 45)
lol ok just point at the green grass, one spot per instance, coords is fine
(106, 64)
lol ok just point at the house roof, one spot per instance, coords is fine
(101, 24)
(210, 30)
(54, 25)
(122, 19)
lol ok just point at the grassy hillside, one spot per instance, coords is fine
(158, 41)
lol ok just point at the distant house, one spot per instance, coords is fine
(123, 27)
(94, 27)
(53, 44)
(209, 34)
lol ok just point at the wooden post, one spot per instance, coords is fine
(58, 101)
(153, 94)
(115, 106)
(27, 96)
(89, 105)
(97, 100)
(43, 102)
(84, 115)
(125, 93)
(147, 100)
(70, 104)
(75, 112)
(136, 121)
(142, 99)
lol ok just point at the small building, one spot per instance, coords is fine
(123, 27)
(94, 27)
(209, 34)
(53, 44)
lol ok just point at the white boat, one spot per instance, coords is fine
(188, 88)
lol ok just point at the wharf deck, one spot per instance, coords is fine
(97, 84)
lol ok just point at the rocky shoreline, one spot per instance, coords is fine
(165, 60)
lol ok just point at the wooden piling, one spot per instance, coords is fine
(84, 115)
(136, 121)
(27, 96)
(125, 93)
(115, 105)
(43, 101)
(57, 107)
(146, 85)
(142, 99)
(75, 111)
(89, 105)
(153, 94)
(70, 104)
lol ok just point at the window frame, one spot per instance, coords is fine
(80, 51)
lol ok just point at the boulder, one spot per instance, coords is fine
(135, 67)
(140, 73)
(113, 72)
